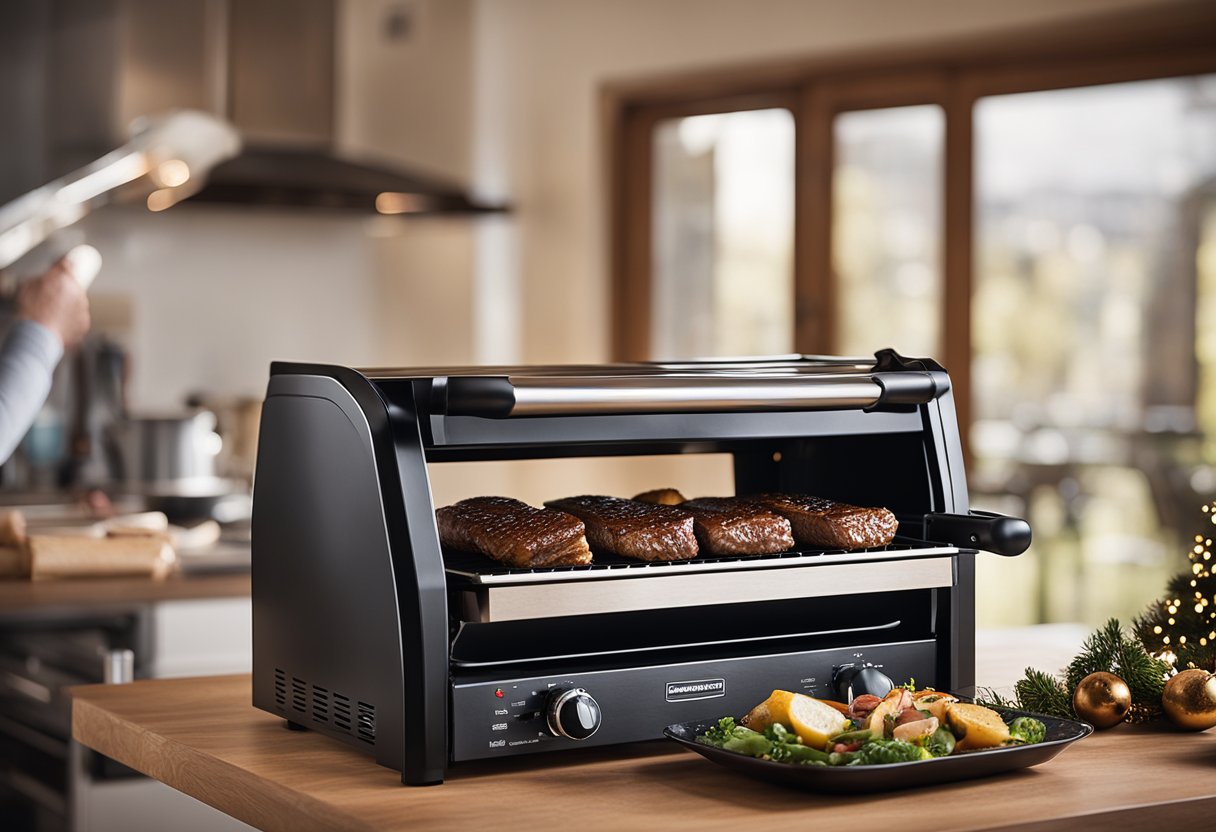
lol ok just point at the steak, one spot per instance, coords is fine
(513, 532)
(827, 524)
(726, 526)
(661, 496)
(631, 529)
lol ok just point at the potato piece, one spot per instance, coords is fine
(976, 726)
(937, 707)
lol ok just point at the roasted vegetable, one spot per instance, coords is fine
(787, 747)
(1027, 729)
(842, 758)
(778, 733)
(734, 737)
(790, 752)
(719, 734)
(919, 733)
(860, 735)
(746, 741)
(940, 743)
(881, 752)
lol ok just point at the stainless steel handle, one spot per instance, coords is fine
(508, 396)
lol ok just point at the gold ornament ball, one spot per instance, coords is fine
(1102, 699)
(1189, 700)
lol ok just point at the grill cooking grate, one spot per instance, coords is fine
(480, 569)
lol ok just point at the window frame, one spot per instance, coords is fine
(1143, 44)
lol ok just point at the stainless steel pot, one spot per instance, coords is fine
(171, 455)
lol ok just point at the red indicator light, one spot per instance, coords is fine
(499, 693)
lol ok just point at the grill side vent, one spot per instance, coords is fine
(367, 723)
(320, 704)
(342, 712)
(326, 707)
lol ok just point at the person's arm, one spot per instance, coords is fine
(54, 312)
(27, 360)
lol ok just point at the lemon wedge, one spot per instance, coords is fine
(814, 721)
(809, 718)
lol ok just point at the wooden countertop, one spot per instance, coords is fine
(17, 596)
(202, 737)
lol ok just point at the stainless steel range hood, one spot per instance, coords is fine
(267, 66)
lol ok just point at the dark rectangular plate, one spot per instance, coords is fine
(964, 765)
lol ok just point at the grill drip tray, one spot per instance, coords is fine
(478, 569)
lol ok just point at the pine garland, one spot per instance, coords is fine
(1108, 649)
(1043, 693)
(1112, 650)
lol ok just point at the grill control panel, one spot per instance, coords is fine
(494, 717)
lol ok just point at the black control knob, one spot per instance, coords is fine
(851, 682)
(572, 713)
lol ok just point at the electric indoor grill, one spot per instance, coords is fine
(366, 631)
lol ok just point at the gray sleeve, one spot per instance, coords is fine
(27, 360)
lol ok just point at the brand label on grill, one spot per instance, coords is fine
(696, 689)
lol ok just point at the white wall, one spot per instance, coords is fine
(216, 295)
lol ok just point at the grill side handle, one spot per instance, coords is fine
(995, 533)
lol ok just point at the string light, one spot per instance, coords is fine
(1171, 625)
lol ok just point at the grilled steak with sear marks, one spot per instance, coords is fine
(831, 525)
(513, 532)
(642, 531)
(727, 526)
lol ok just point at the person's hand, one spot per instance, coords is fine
(56, 300)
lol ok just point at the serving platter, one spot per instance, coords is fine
(964, 765)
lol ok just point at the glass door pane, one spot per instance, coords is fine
(886, 230)
(723, 231)
(1091, 378)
